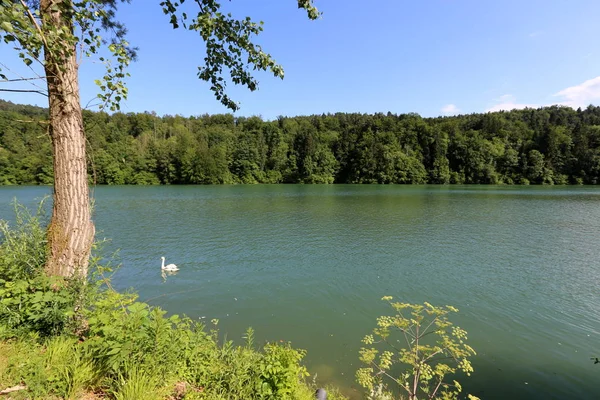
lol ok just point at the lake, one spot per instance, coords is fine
(309, 264)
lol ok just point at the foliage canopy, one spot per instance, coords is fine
(555, 145)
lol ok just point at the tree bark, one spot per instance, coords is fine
(71, 230)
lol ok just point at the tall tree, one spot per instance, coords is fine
(51, 33)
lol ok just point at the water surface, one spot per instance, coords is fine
(310, 264)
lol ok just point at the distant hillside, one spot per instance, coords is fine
(30, 111)
(553, 145)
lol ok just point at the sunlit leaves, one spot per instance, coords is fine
(311, 10)
(229, 45)
(112, 84)
(230, 49)
(33, 33)
(17, 30)
(7, 26)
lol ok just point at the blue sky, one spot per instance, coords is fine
(432, 57)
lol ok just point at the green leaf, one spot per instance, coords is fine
(7, 26)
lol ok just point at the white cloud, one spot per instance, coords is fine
(536, 34)
(581, 95)
(450, 109)
(507, 103)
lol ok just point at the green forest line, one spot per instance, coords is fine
(550, 145)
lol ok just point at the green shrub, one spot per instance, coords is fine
(29, 300)
(40, 304)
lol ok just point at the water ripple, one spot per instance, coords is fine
(310, 263)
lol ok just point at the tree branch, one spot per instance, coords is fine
(19, 79)
(23, 91)
(31, 121)
(34, 21)
(22, 78)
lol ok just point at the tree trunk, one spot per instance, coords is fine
(71, 231)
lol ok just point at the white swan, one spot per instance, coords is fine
(170, 267)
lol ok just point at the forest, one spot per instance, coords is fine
(550, 145)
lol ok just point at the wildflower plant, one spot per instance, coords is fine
(414, 351)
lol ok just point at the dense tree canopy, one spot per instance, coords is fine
(553, 145)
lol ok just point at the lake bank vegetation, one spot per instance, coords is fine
(552, 145)
(62, 338)
(68, 339)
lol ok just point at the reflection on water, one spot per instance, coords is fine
(310, 264)
(164, 274)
